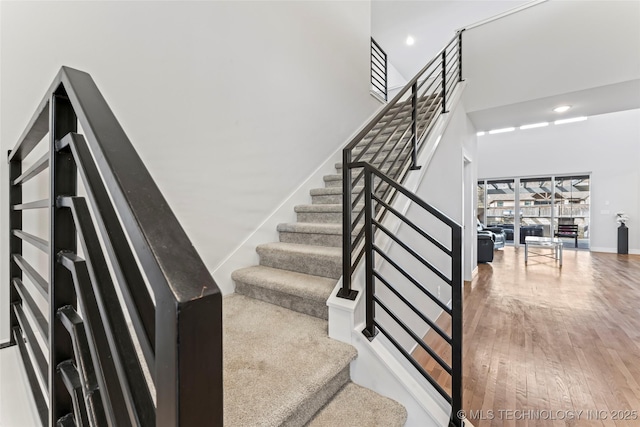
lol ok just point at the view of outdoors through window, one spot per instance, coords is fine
(539, 206)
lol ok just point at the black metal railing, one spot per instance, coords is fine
(391, 142)
(133, 326)
(379, 83)
(387, 149)
(390, 279)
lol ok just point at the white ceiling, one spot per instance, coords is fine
(431, 23)
(588, 102)
(582, 53)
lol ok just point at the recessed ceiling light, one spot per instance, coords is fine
(562, 108)
(503, 130)
(534, 125)
(410, 41)
(573, 120)
(480, 133)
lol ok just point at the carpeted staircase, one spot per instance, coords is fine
(281, 368)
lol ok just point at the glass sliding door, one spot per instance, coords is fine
(481, 208)
(500, 205)
(535, 207)
(571, 208)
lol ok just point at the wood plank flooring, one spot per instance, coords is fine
(549, 346)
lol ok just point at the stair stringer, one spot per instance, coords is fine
(395, 377)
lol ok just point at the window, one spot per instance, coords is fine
(537, 205)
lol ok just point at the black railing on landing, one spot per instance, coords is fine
(133, 326)
(379, 84)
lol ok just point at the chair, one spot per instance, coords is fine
(489, 239)
(498, 233)
(485, 247)
(530, 230)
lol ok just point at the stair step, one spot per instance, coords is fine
(406, 104)
(377, 165)
(382, 137)
(308, 259)
(327, 191)
(386, 130)
(347, 404)
(320, 213)
(280, 367)
(323, 213)
(296, 291)
(398, 120)
(331, 195)
(333, 180)
(311, 233)
(373, 149)
(399, 126)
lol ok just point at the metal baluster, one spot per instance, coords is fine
(444, 80)
(370, 329)
(15, 243)
(63, 182)
(414, 127)
(346, 291)
(460, 56)
(386, 84)
(456, 324)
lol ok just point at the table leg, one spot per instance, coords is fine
(526, 252)
(560, 254)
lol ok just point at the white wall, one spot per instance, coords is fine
(607, 146)
(230, 104)
(395, 80)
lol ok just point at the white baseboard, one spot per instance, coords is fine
(605, 250)
(614, 250)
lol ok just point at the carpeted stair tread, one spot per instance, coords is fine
(310, 227)
(377, 163)
(334, 177)
(361, 407)
(329, 191)
(333, 207)
(333, 180)
(313, 233)
(314, 228)
(373, 148)
(322, 261)
(326, 213)
(303, 293)
(331, 194)
(280, 367)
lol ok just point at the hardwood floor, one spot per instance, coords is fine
(549, 346)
